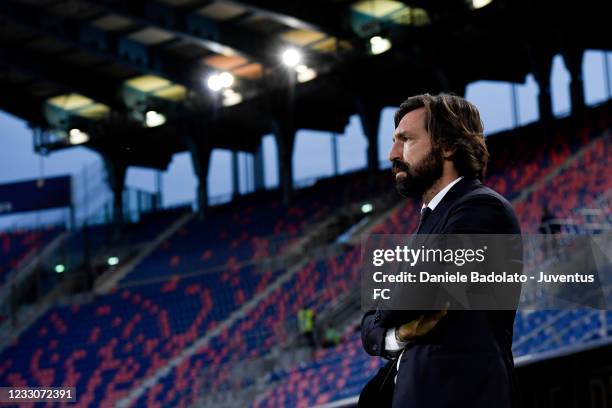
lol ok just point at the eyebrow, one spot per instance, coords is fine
(404, 134)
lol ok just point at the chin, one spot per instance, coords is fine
(408, 191)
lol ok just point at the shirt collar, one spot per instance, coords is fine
(438, 197)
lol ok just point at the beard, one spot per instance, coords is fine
(420, 177)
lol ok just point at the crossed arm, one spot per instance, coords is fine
(380, 340)
(385, 332)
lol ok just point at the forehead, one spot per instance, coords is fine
(412, 121)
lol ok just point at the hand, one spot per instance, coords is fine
(420, 326)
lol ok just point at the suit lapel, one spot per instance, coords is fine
(433, 223)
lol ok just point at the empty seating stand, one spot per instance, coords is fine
(196, 279)
(17, 245)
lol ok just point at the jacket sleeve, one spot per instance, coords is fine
(374, 326)
(373, 334)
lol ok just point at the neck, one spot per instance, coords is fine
(442, 182)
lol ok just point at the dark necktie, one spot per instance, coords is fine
(424, 214)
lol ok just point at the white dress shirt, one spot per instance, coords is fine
(391, 343)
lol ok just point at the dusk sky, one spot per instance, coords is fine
(312, 155)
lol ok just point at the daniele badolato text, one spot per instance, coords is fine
(477, 277)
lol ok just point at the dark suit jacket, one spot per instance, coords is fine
(466, 360)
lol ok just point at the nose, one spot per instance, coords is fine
(396, 151)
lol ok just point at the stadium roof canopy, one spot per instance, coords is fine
(131, 78)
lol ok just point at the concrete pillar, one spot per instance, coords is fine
(283, 127)
(573, 62)
(284, 134)
(200, 150)
(116, 170)
(369, 114)
(334, 152)
(235, 175)
(542, 66)
(258, 169)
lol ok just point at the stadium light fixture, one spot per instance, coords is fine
(217, 82)
(227, 79)
(367, 208)
(214, 83)
(291, 57)
(112, 261)
(59, 268)
(379, 44)
(77, 136)
(305, 73)
(231, 97)
(480, 3)
(153, 119)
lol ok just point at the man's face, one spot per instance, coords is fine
(416, 165)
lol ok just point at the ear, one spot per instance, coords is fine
(448, 153)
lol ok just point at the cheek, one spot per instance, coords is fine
(411, 153)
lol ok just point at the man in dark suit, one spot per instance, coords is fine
(456, 358)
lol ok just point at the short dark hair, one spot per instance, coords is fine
(453, 123)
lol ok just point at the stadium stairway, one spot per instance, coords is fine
(8, 328)
(27, 265)
(19, 246)
(107, 281)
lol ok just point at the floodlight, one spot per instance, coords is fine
(291, 57)
(379, 44)
(77, 136)
(153, 119)
(367, 208)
